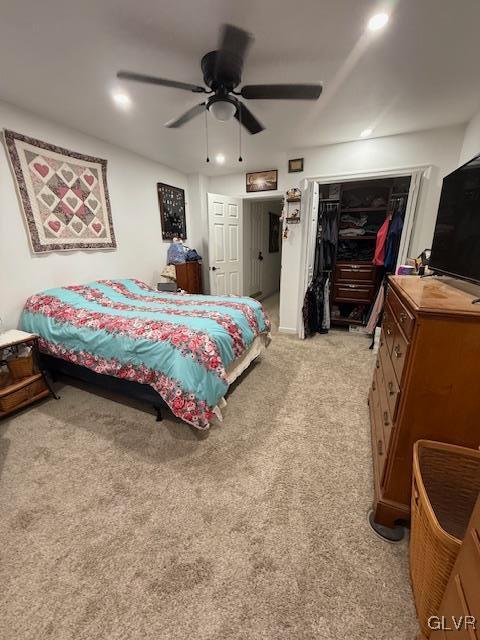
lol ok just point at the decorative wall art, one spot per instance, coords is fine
(273, 233)
(172, 211)
(64, 195)
(295, 165)
(262, 181)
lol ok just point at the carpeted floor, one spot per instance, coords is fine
(113, 526)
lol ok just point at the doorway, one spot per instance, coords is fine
(262, 243)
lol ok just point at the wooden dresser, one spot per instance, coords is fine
(426, 383)
(189, 276)
(461, 601)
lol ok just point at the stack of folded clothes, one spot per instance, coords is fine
(352, 226)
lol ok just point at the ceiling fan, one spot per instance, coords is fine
(222, 73)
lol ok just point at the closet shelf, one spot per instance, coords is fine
(355, 238)
(363, 209)
(345, 320)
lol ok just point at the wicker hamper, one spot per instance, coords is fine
(20, 367)
(446, 484)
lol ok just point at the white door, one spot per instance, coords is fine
(256, 219)
(225, 245)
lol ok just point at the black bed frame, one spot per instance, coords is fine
(141, 392)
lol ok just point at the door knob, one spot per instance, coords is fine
(213, 268)
(260, 257)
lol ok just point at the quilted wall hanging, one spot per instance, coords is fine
(63, 194)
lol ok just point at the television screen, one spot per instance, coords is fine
(456, 241)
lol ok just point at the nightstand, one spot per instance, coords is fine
(25, 383)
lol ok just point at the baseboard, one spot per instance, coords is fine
(287, 330)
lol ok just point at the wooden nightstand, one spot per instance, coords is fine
(17, 392)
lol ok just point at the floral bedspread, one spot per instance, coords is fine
(179, 344)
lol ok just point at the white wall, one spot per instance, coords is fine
(140, 252)
(271, 263)
(437, 147)
(471, 140)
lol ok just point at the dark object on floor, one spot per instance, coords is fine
(167, 286)
(387, 534)
(141, 392)
(426, 384)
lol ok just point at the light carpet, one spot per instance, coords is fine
(114, 526)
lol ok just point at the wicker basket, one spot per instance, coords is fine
(446, 484)
(20, 367)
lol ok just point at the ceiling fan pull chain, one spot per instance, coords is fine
(240, 159)
(206, 135)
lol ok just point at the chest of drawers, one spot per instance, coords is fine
(426, 383)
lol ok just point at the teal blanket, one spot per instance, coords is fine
(179, 344)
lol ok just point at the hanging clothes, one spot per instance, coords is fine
(316, 306)
(393, 243)
(379, 257)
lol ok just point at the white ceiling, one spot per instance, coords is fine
(59, 58)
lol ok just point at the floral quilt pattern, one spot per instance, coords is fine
(181, 345)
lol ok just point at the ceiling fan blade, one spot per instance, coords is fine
(281, 91)
(249, 121)
(140, 77)
(187, 116)
(234, 44)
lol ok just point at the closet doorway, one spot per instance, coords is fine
(262, 246)
(344, 268)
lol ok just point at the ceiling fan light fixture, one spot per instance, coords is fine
(222, 110)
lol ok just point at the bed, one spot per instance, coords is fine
(185, 348)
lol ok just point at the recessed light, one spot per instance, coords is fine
(121, 99)
(366, 132)
(378, 21)
(219, 158)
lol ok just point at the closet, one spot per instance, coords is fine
(358, 237)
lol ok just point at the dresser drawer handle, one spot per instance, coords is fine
(355, 267)
(380, 447)
(397, 352)
(391, 390)
(374, 386)
(389, 332)
(403, 316)
(385, 419)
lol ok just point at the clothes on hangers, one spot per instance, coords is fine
(393, 243)
(316, 306)
(379, 257)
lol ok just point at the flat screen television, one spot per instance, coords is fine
(456, 241)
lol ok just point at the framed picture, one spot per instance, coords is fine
(274, 233)
(171, 201)
(295, 165)
(262, 181)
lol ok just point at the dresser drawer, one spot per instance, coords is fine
(392, 389)
(355, 272)
(404, 318)
(388, 326)
(378, 439)
(399, 353)
(353, 292)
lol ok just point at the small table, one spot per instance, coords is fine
(16, 394)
